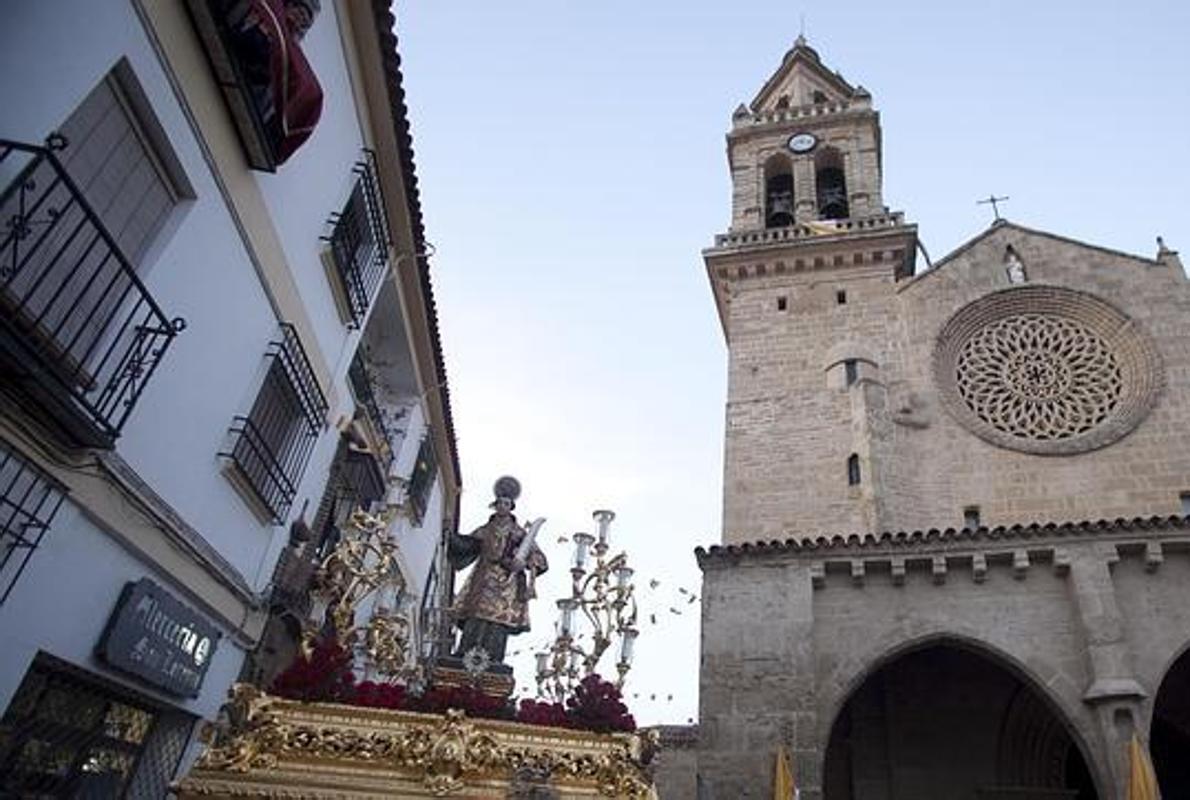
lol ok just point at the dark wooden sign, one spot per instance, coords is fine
(156, 637)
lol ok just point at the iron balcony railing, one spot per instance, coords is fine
(80, 335)
(29, 499)
(359, 375)
(359, 241)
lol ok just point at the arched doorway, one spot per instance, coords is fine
(1169, 737)
(946, 723)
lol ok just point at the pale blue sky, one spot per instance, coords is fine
(572, 166)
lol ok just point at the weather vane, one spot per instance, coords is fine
(995, 207)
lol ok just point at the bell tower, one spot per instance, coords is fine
(804, 282)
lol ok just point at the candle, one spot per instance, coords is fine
(604, 518)
(582, 548)
(567, 606)
(627, 640)
(623, 575)
(543, 663)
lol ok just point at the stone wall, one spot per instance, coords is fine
(1090, 618)
(791, 426)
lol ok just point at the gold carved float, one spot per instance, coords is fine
(275, 747)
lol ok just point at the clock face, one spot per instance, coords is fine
(802, 142)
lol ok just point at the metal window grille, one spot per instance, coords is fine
(272, 444)
(80, 335)
(355, 482)
(362, 387)
(359, 241)
(67, 735)
(29, 499)
(422, 479)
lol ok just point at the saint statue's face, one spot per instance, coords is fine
(503, 505)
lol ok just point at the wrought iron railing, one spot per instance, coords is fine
(361, 379)
(272, 444)
(425, 470)
(80, 335)
(29, 499)
(292, 578)
(359, 241)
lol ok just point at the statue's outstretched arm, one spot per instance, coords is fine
(463, 550)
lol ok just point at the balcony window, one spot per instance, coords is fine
(271, 445)
(357, 245)
(29, 499)
(80, 334)
(269, 86)
(422, 479)
(68, 734)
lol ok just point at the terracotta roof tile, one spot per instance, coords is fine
(888, 540)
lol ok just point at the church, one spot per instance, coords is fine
(955, 557)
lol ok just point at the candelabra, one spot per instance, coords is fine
(604, 594)
(362, 566)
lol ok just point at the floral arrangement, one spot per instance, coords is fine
(325, 676)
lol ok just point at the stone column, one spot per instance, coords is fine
(1114, 693)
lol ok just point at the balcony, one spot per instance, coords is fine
(363, 387)
(80, 335)
(269, 87)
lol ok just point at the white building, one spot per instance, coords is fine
(203, 339)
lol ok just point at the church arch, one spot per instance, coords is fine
(830, 182)
(778, 191)
(966, 691)
(1169, 731)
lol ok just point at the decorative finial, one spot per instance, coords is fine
(1161, 248)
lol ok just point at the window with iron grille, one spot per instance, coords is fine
(358, 243)
(68, 734)
(422, 479)
(355, 482)
(29, 499)
(272, 444)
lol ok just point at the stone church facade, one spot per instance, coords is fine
(956, 542)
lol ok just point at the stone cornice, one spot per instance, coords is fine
(921, 544)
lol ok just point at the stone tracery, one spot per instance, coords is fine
(1046, 370)
(1039, 377)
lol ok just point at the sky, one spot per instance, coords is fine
(571, 159)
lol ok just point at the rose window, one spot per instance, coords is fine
(1046, 370)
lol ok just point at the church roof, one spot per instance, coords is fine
(908, 542)
(803, 56)
(1004, 225)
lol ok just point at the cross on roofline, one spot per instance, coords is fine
(995, 207)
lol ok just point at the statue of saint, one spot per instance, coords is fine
(494, 601)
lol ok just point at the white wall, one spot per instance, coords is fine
(52, 54)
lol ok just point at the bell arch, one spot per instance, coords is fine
(778, 191)
(947, 716)
(1169, 731)
(830, 182)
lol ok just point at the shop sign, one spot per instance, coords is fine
(156, 637)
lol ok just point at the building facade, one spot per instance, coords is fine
(956, 553)
(217, 339)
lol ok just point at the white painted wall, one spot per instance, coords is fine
(52, 54)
